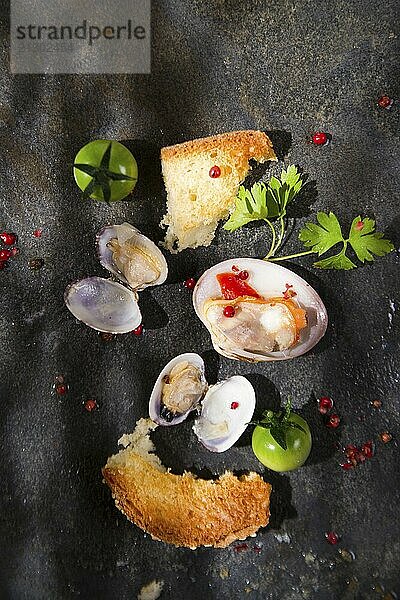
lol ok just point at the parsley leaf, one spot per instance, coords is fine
(320, 238)
(363, 238)
(365, 241)
(337, 261)
(265, 201)
(250, 206)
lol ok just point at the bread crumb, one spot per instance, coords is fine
(224, 573)
(151, 591)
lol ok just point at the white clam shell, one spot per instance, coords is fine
(103, 305)
(124, 232)
(269, 279)
(216, 410)
(155, 398)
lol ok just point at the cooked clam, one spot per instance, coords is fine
(103, 305)
(178, 389)
(106, 305)
(131, 256)
(259, 311)
(227, 408)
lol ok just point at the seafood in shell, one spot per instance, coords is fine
(132, 257)
(272, 314)
(136, 262)
(178, 389)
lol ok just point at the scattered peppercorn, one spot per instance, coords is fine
(368, 449)
(5, 254)
(8, 238)
(61, 389)
(243, 275)
(332, 537)
(35, 264)
(325, 404)
(190, 283)
(90, 405)
(385, 101)
(346, 466)
(106, 337)
(320, 138)
(376, 403)
(333, 422)
(214, 172)
(229, 311)
(241, 547)
(385, 437)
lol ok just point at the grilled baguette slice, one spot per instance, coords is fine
(196, 202)
(182, 509)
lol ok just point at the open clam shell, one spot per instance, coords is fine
(126, 239)
(269, 280)
(103, 305)
(155, 403)
(226, 410)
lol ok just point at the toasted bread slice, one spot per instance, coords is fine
(196, 201)
(182, 509)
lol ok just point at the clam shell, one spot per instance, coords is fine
(123, 233)
(269, 279)
(103, 305)
(155, 398)
(216, 409)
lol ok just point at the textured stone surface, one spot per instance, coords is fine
(285, 66)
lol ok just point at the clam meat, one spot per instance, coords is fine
(178, 390)
(259, 311)
(131, 256)
(107, 305)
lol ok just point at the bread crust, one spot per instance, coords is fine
(185, 510)
(248, 144)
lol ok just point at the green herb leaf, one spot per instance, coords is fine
(365, 241)
(337, 261)
(265, 201)
(250, 206)
(320, 238)
(278, 433)
(273, 208)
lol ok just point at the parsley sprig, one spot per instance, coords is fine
(268, 202)
(363, 239)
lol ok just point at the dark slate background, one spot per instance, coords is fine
(287, 67)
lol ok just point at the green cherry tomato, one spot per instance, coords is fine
(273, 456)
(107, 170)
